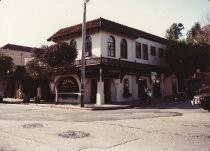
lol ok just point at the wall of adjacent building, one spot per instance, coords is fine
(168, 83)
(19, 57)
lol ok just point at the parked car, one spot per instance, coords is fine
(203, 98)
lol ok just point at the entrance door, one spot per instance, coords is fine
(107, 91)
(142, 84)
(174, 87)
(93, 90)
(156, 90)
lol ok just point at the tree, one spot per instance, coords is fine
(175, 31)
(49, 61)
(185, 58)
(198, 35)
(6, 66)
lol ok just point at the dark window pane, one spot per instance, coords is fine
(145, 52)
(161, 52)
(123, 49)
(138, 50)
(153, 51)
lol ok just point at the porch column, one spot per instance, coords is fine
(100, 91)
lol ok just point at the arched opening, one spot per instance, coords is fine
(73, 43)
(67, 87)
(88, 46)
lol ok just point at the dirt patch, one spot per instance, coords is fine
(190, 125)
(73, 134)
(32, 125)
(207, 126)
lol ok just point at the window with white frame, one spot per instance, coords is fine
(111, 46)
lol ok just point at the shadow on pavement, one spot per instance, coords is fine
(170, 105)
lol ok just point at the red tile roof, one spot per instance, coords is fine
(106, 25)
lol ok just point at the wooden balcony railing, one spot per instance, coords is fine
(116, 63)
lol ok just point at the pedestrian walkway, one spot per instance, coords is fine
(69, 106)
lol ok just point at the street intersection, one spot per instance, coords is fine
(167, 126)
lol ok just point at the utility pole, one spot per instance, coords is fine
(83, 54)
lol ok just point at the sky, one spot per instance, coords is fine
(31, 22)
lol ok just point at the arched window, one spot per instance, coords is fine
(73, 43)
(111, 46)
(125, 87)
(123, 49)
(88, 48)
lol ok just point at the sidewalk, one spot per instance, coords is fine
(69, 106)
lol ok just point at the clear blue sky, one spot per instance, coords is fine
(31, 22)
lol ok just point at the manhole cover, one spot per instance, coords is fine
(73, 134)
(32, 125)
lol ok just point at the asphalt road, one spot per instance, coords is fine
(170, 126)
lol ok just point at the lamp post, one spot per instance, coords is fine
(83, 54)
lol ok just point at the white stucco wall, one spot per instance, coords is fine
(153, 60)
(99, 47)
(131, 43)
(96, 45)
(133, 89)
(118, 38)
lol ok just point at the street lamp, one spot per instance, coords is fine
(83, 54)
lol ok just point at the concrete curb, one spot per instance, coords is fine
(86, 108)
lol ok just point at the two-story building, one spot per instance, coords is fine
(121, 62)
(20, 55)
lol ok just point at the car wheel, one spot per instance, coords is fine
(205, 107)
